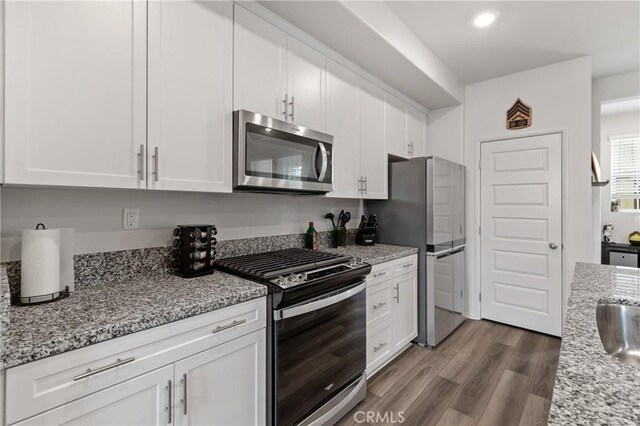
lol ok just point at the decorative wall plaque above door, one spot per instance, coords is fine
(519, 115)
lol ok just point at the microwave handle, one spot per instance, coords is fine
(325, 162)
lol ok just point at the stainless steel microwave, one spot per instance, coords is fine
(272, 155)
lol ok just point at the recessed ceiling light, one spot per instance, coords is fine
(485, 19)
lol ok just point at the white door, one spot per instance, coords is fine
(416, 132)
(521, 232)
(395, 126)
(373, 154)
(342, 123)
(75, 93)
(144, 400)
(405, 310)
(190, 79)
(306, 75)
(259, 65)
(225, 385)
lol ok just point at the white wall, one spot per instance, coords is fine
(445, 133)
(623, 222)
(606, 89)
(97, 215)
(560, 96)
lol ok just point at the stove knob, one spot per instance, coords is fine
(281, 280)
(301, 277)
(292, 278)
(359, 260)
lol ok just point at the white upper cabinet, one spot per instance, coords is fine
(306, 77)
(75, 93)
(395, 123)
(373, 154)
(260, 54)
(342, 123)
(277, 75)
(190, 95)
(416, 132)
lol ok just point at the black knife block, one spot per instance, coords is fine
(194, 250)
(366, 236)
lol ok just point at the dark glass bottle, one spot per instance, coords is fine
(311, 237)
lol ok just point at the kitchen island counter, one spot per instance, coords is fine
(591, 386)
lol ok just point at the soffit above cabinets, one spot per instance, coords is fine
(372, 37)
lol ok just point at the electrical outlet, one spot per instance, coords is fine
(130, 218)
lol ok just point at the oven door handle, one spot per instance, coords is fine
(294, 311)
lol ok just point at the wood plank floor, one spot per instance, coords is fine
(485, 373)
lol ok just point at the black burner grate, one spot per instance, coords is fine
(274, 263)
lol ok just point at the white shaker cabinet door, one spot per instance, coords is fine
(373, 155)
(260, 54)
(190, 95)
(405, 309)
(144, 400)
(416, 132)
(395, 126)
(342, 123)
(75, 93)
(225, 385)
(306, 76)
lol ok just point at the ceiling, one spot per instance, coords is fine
(526, 35)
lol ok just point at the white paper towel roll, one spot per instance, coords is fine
(40, 267)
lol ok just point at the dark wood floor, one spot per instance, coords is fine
(485, 373)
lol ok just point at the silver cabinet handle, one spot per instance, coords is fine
(91, 372)
(155, 164)
(379, 274)
(366, 189)
(285, 102)
(361, 185)
(397, 287)
(553, 246)
(379, 305)
(141, 163)
(293, 106)
(170, 411)
(184, 393)
(406, 265)
(220, 328)
(380, 346)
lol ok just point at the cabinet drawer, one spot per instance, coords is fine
(44, 384)
(379, 344)
(379, 302)
(380, 273)
(405, 264)
(623, 259)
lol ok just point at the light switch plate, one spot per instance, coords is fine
(130, 218)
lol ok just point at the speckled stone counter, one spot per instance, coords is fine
(100, 313)
(373, 255)
(4, 311)
(591, 386)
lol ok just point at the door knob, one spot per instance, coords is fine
(553, 246)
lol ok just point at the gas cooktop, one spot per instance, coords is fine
(297, 273)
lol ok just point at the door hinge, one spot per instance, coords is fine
(480, 297)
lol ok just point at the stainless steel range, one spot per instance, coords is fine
(317, 333)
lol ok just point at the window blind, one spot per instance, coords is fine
(625, 168)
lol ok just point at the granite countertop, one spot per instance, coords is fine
(5, 303)
(100, 313)
(591, 386)
(373, 255)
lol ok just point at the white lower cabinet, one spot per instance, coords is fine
(392, 310)
(141, 401)
(224, 385)
(208, 369)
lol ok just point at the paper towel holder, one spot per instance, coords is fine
(47, 297)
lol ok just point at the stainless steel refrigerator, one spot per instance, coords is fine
(425, 209)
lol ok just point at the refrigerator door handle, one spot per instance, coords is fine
(440, 253)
